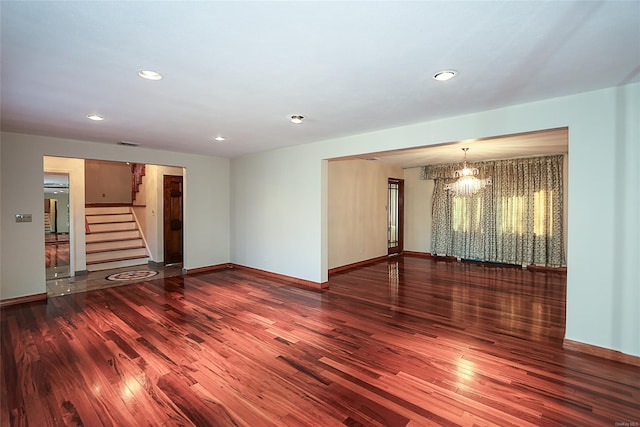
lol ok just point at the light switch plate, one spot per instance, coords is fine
(23, 217)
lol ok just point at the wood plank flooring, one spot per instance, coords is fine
(405, 342)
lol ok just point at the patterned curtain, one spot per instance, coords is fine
(517, 220)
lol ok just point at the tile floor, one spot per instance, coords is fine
(98, 279)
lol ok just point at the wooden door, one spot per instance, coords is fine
(395, 216)
(173, 219)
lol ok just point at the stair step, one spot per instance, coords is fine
(117, 226)
(106, 236)
(102, 256)
(106, 210)
(112, 244)
(122, 248)
(104, 261)
(122, 221)
(113, 239)
(104, 219)
(116, 263)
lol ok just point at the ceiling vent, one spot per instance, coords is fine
(128, 143)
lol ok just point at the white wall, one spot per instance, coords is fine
(277, 212)
(1, 216)
(358, 197)
(418, 196)
(625, 214)
(279, 205)
(206, 233)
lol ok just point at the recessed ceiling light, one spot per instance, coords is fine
(95, 117)
(220, 138)
(149, 75)
(444, 75)
(297, 119)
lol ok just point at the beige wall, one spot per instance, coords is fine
(107, 182)
(418, 194)
(358, 210)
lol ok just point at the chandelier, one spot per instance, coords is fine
(467, 183)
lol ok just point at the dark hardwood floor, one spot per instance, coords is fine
(406, 342)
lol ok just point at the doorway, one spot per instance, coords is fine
(57, 226)
(395, 216)
(173, 219)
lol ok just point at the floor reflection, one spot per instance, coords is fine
(57, 255)
(394, 283)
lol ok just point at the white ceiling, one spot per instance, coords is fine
(241, 69)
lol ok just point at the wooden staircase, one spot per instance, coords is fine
(47, 223)
(113, 239)
(137, 172)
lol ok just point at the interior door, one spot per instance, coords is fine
(173, 219)
(395, 216)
